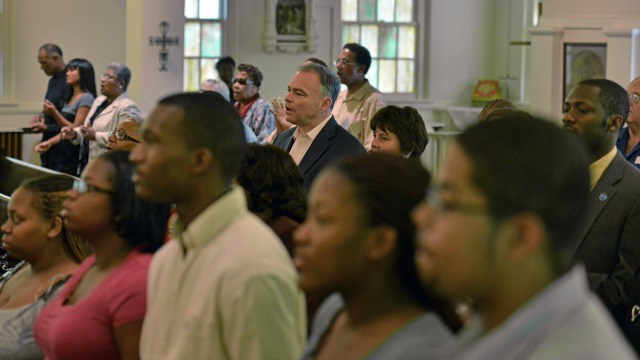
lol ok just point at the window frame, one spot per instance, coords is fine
(420, 22)
(223, 20)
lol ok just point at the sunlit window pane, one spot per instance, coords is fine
(191, 75)
(369, 39)
(351, 34)
(404, 10)
(372, 74)
(211, 39)
(367, 10)
(208, 69)
(191, 9)
(405, 76)
(192, 39)
(209, 9)
(407, 42)
(388, 41)
(385, 10)
(387, 81)
(349, 10)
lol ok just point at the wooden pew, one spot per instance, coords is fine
(14, 171)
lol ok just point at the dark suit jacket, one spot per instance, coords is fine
(332, 143)
(610, 246)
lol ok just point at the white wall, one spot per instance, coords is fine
(94, 30)
(245, 45)
(466, 43)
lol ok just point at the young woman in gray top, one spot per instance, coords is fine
(34, 233)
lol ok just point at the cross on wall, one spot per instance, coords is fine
(164, 41)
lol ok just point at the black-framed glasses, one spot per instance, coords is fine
(242, 81)
(343, 62)
(82, 187)
(121, 135)
(635, 98)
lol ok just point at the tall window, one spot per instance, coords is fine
(203, 40)
(389, 30)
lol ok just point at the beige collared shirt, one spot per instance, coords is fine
(304, 140)
(223, 288)
(354, 112)
(597, 168)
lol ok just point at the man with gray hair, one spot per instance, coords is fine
(317, 139)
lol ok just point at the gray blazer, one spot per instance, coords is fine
(609, 244)
(332, 143)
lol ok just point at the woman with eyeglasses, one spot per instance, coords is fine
(107, 111)
(124, 137)
(48, 252)
(357, 242)
(82, 86)
(99, 313)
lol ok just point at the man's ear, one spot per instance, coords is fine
(526, 237)
(614, 123)
(326, 104)
(201, 160)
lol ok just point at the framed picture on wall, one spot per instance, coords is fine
(583, 61)
(289, 26)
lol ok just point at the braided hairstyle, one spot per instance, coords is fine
(50, 191)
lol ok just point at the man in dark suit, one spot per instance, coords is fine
(317, 139)
(609, 242)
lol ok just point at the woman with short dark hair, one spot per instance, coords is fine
(399, 131)
(274, 188)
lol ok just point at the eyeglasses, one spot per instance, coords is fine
(242, 81)
(121, 135)
(435, 202)
(81, 187)
(108, 77)
(634, 98)
(343, 62)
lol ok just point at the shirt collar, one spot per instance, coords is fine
(212, 221)
(314, 132)
(597, 168)
(363, 92)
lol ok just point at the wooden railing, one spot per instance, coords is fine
(11, 142)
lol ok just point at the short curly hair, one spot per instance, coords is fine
(254, 73)
(407, 124)
(272, 181)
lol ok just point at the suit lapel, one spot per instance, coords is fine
(318, 146)
(288, 143)
(602, 193)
